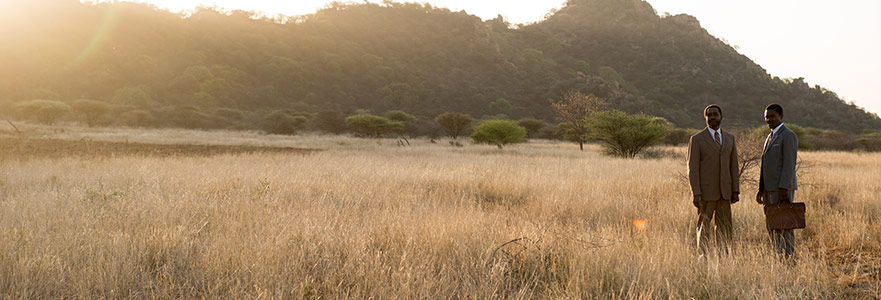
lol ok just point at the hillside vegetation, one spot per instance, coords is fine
(220, 69)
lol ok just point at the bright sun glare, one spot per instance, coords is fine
(270, 8)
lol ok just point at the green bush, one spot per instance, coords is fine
(833, 140)
(816, 139)
(626, 135)
(279, 122)
(44, 111)
(870, 141)
(498, 132)
(406, 120)
(804, 139)
(368, 125)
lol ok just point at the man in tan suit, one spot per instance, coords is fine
(714, 177)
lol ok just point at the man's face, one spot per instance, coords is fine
(714, 118)
(772, 118)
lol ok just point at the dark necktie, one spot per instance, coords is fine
(718, 140)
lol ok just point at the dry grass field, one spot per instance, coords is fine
(338, 217)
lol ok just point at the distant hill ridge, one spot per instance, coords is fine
(413, 57)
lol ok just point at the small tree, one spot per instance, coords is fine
(453, 123)
(45, 111)
(406, 120)
(575, 108)
(279, 122)
(368, 125)
(627, 135)
(870, 141)
(498, 132)
(90, 110)
(533, 126)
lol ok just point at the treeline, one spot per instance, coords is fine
(626, 135)
(361, 122)
(206, 68)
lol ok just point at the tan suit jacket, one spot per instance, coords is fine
(713, 171)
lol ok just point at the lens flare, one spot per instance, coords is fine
(102, 34)
(640, 224)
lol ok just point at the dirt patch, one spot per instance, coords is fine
(14, 148)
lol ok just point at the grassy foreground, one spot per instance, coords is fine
(367, 219)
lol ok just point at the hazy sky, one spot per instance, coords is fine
(836, 44)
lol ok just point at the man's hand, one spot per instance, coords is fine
(759, 197)
(696, 201)
(784, 195)
(735, 197)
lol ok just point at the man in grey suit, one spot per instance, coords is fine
(714, 178)
(777, 182)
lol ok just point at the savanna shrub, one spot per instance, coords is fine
(498, 132)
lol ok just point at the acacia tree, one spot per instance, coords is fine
(574, 109)
(45, 111)
(498, 132)
(373, 126)
(455, 124)
(407, 127)
(626, 135)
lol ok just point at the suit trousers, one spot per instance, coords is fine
(783, 240)
(721, 210)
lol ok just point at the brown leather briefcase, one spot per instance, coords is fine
(785, 216)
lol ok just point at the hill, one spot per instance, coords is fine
(413, 57)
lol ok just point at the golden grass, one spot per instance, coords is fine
(367, 219)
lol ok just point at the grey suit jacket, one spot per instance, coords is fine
(713, 171)
(778, 162)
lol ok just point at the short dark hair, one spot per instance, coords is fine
(712, 106)
(776, 107)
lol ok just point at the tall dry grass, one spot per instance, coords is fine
(366, 219)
